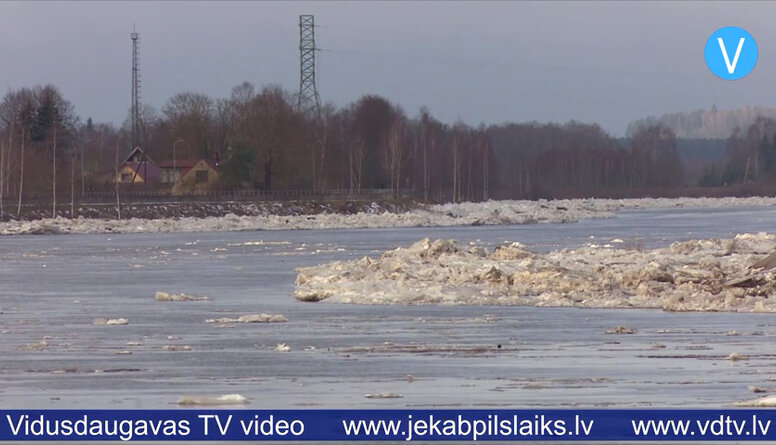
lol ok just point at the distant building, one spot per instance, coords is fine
(172, 171)
(137, 168)
(199, 178)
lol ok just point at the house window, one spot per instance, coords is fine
(126, 177)
(200, 176)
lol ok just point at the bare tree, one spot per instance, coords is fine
(357, 153)
(72, 186)
(54, 120)
(485, 167)
(191, 117)
(373, 117)
(2, 178)
(394, 152)
(54, 177)
(10, 110)
(116, 182)
(21, 174)
(427, 139)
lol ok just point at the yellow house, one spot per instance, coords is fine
(197, 179)
(137, 168)
(137, 173)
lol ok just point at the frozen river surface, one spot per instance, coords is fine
(53, 356)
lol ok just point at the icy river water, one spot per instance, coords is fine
(53, 356)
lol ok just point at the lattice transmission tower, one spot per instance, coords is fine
(309, 101)
(135, 89)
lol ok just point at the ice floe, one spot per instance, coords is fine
(620, 330)
(35, 346)
(226, 399)
(251, 318)
(110, 321)
(164, 296)
(384, 395)
(484, 213)
(765, 402)
(696, 275)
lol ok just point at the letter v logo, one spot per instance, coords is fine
(719, 48)
(731, 67)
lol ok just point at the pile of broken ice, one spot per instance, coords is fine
(701, 275)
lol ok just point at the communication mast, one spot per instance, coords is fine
(135, 90)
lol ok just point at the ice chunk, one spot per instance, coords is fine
(226, 399)
(251, 318)
(620, 330)
(35, 346)
(765, 402)
(110, 321)
(164, 296)
(384, 395)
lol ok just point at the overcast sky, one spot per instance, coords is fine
(604, 62)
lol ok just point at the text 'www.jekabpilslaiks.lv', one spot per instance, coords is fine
(491, 427)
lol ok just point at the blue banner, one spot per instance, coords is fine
(388, 425)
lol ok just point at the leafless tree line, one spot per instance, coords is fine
(750, 156)
(549, 160)
(260, 141)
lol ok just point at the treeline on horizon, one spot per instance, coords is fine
(262, 142)
(750, 157)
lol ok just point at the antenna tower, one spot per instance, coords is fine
(309, 101)
(135, 90)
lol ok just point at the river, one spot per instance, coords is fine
(53, 356)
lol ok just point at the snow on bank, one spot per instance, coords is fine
(698, 275)
(486, 213)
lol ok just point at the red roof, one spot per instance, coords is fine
(179, 163)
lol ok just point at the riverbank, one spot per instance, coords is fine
(239, 216)
(205, 209)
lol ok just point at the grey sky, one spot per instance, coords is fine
(607, 62)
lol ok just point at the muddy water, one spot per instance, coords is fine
(53, 356)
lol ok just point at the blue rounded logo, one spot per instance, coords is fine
(731, 53)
